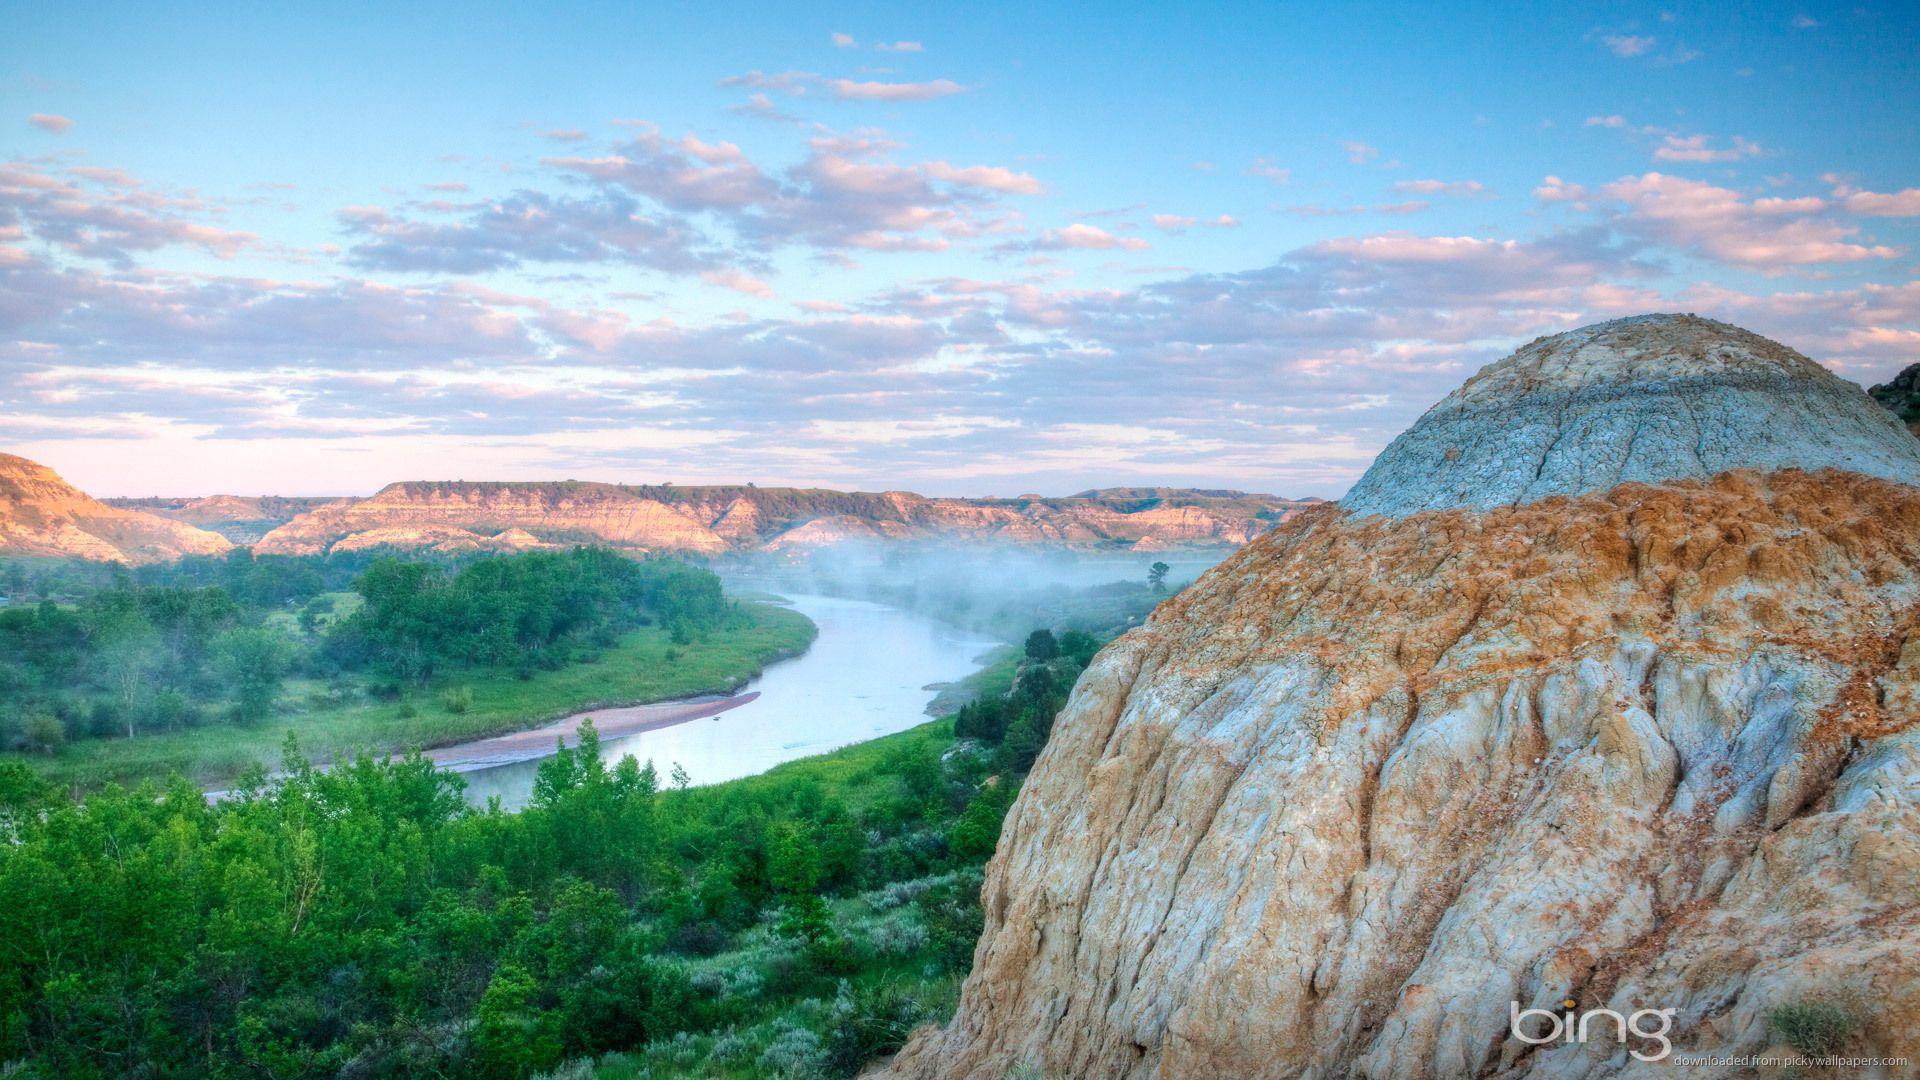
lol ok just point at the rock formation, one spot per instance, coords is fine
(41, 514)
(716, 520)
(243, 519)
(1403, 765)
(1645, 399)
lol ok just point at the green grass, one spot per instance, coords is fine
(855, 775)
(645, 666)
(1815, 1028)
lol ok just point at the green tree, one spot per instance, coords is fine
(254, 661)
(1157, 576)
(512, 1037)
(126, 655)
(977, 831)
(1041, 646)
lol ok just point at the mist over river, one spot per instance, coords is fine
(872, 671)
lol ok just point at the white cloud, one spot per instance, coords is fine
(1087, 237)
(1179, 223)
(1459, 188)
(989, 177)
(1700, 148)
(1261, 167)
(1554, 189)
(843, 41)
(850, 90)
(1904, 203)
(1766, 235)
(50, 122)
(739, 281)
(1627, 44)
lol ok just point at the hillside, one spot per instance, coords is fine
(41, 514)
(243, 519)
(1592, 694)
(719, 519)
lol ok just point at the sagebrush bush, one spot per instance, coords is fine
(794, 1053)
(894, 935)
(1815, 1028)
(868, 1021)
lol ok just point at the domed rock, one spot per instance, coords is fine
(1385, 776)
(1646, 399)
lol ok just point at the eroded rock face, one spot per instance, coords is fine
(1342, 803)
(41, 514)
(711, 520)
(1653, 397)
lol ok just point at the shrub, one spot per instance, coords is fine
(893, 935)
(731, 1048)
(457, 699)
(408, 710)
(1815, 1028)
(954, 920)
(42, 733)
(869, 1021)
(683, 1050)
(701, 938)
(794, 1053)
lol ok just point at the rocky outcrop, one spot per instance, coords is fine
(716, 520)
(1386, 775)
(243, 519)
(41, 514)
(1654, 397)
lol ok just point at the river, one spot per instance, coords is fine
(872, 671)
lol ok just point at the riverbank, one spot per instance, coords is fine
(644, 666)
(872, 670)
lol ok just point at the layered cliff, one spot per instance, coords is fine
(243, 519)
(1402, 766)
(713, 520)
(41, 514)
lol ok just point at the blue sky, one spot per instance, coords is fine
(965, 250)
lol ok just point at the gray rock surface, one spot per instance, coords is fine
(1644, 399)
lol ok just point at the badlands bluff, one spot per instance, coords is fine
(458, 515)
(1601, 685)
(41, 514)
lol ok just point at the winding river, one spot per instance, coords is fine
(872, 671)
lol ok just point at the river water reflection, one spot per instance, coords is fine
(868, 673)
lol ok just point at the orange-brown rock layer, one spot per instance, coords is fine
(41, 514)
(1337, 806)
(711, 520)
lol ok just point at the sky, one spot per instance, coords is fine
(964, 250)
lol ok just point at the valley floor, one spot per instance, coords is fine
(645, 666)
